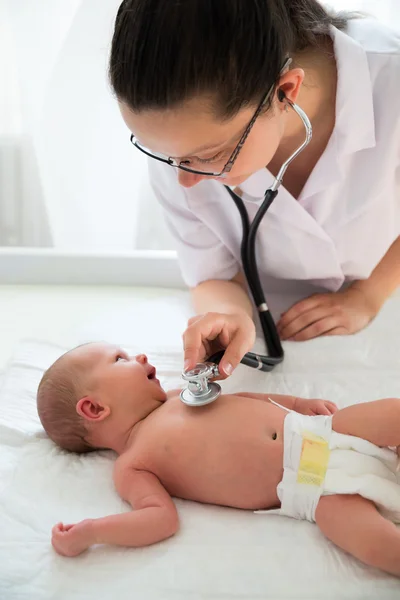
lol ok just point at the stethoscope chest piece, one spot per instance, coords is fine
(191, 399)
(200, 391)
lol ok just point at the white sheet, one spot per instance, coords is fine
(219, 553)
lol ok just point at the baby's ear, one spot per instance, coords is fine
(91, 409)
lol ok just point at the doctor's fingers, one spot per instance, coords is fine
(241, 343)
(194, 319)
(302, 307)
(325, 326)
(300, 322)
(235, 333)
(200, 334)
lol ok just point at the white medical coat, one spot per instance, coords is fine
(348, 213)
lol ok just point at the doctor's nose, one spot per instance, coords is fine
(189, 179)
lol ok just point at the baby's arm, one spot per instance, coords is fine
(153, 519)
(304, 406)
(355, 525)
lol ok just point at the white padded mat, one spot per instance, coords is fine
(219, 553)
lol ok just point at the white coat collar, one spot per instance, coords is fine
(355, 121)
(354, 127)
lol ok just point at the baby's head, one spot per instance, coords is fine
(94, 395)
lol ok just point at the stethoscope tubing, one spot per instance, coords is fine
(249, 261)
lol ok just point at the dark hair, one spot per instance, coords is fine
(58, 393)
(167, 51)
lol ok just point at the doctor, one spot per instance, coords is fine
(189, 76)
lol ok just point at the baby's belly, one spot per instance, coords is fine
(228, 456)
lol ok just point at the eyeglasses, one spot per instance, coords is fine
(185, 164)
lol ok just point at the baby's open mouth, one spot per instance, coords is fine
(152, 374)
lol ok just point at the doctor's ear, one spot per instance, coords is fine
(91, 409)
(289, 85)
(281, 95)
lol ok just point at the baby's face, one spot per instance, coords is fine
(127, 384)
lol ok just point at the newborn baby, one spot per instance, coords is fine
(250, 451)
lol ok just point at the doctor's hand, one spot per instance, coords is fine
(211, 332)
(338, 313)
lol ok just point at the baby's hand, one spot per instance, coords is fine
(315, 407)
(71, 540)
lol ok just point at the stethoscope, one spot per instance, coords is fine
(200, 389)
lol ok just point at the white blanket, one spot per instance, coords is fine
(219, 553)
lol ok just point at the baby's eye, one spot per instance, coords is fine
(120, 357)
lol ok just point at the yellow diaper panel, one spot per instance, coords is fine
(314, 460)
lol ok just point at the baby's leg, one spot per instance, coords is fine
(355, 525)
(378, 421)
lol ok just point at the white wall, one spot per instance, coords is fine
(22, 213)
(89, 172)
(387, 11)
(93, 173)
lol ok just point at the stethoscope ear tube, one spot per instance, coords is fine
(248, 255)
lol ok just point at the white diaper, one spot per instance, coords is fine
(320, 462)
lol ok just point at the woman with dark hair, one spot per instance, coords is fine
(208, 87)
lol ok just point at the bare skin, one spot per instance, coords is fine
(227, 453)
(196, 458)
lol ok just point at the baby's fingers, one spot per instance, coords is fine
(331, 407)
(57, 529)
(60, 528)
(323, 409)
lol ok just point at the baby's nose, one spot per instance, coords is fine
(141, 359)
